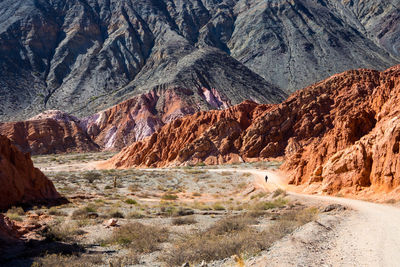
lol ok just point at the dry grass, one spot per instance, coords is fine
(233, 236)
(230, 236)
(276, 203)
(279, 192)
(184, 220)
(83, 213)
(62, 231)
(169, 197)
(15, 213)
(139, 237)
(68, 261)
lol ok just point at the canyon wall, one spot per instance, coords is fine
(342, 132)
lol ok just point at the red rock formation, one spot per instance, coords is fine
(20, 182)
(49, 132)
(137, 118)
(205, 136)
(111, 129)
(8, 232)
(340, 133)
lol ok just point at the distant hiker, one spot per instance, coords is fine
(266, 178)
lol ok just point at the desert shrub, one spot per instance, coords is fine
(131, 258)
(230, 236)
(14, 217)
(234, 236)
(84, 212)
(169, 197)
(276, 203)
(131, 201)
(195, 171)
(184, 220)
(135, 215)
(68, 261)
(15, 213)
(16, 210)
(56, 212)
(279, 192)
(140, 237)
(91, 176)
(115, 214)
(218, 206)
(62, 231)
(196, 194)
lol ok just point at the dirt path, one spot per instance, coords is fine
(370, 236)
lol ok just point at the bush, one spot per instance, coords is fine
(276, 203)
(218, 206)
(140, 237)
(116, 214)
(233, 236)
(230, 236)
(169, 197)
(83, 213)
(54, 211)
(91, 176)
(62, 231)
(184, 220)
(131, 201)
(68, 261)
(135, 215)
(16, 210)
(279, 192)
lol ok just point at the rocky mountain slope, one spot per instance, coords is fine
(85, 56)
(339, 133)
(20, 182)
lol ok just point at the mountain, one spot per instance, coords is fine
(339, 134)
(84, 56)
(20, 181)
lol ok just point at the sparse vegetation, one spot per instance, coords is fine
(184, 220)
(131, 201)
(169, 197)
(180, 215)
(279, 192)
(139, 237)
(62, 231)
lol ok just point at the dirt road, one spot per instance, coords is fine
(370, 236)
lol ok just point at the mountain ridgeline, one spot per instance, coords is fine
(83, 56)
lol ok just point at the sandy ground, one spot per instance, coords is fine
(370, 236)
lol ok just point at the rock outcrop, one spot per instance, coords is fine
(86, 56)
(340, 133)
(8, 233)
(47, 133)
(20, 181)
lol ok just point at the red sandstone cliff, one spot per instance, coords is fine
(340, 133)
(20, 182)
(50, 132)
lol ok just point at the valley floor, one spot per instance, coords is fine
(222, 215)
